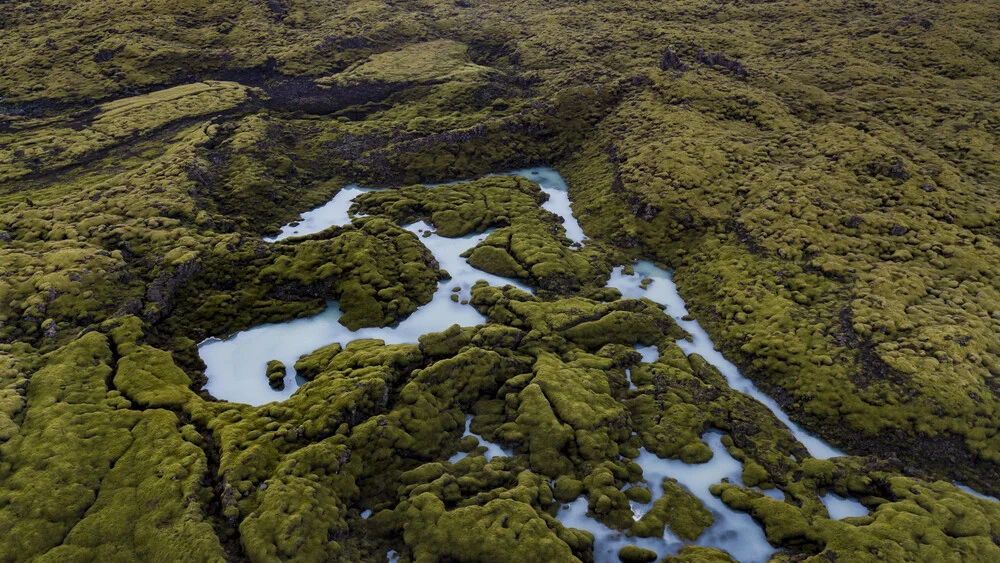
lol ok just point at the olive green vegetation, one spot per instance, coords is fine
(675, 498)
(31, 146)
(528, 242)
(822, 178)
(276, 374)
(428, 62)
(910, 518)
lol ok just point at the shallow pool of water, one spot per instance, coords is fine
(552, 183)
(331, 213)
(649, 354)
(732, 531)
(236, 366)
(974, 492)
(607, 541)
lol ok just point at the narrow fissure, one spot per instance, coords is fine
(228, 534)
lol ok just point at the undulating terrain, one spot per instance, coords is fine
(822, 178)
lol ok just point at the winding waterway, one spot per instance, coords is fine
(236, 367)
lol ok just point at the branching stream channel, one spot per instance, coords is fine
(236, 368)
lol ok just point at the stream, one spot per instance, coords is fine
(235, 368)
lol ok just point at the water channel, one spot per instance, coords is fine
(236, 368)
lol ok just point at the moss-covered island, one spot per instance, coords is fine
(821, 178)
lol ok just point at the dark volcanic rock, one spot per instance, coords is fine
(718, 59)
(671, 61)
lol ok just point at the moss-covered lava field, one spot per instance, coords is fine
(822, 178)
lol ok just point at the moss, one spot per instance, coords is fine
(114, 123)
(151, 502)
(641, 495)
(633, 554)
(679, 510)
(528, 243)
(276, 374)
(497, 261)
(754, 474)
(290, 521)
(70, 437)
(447, 343)
(438, 533)
(314, 363)
(567, 488)
(699, 554)
(833, 231)
(433, 61)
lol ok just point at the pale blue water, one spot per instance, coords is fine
(236, 371)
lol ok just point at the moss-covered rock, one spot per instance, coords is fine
(699, 554)
(276, 374)
(678, 509)
(633, 554)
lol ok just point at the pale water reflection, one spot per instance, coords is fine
(236, 367)
(236, 371)
(841, 507)
(492, 449)
(660, 287)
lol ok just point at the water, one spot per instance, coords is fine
(731, 531)
(492, 449)
(776, 494)
(236, 367)
(607, 541)
(631, 384)
(333, 212)
(974, 492)
(236, 371)
(663, 290)
(553, 184)
(649, 354)
(841, 507)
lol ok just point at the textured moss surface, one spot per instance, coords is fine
(821, 177)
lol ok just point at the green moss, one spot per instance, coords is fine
(301, 506)
(699, 554)
(678, 509)
(310, 365)
(446, 343)
(151, 502)
(276, 374)
(827, 214)
(633, 554)
(438, 533)
(497, 261)
(71, 435)
(432, 61)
